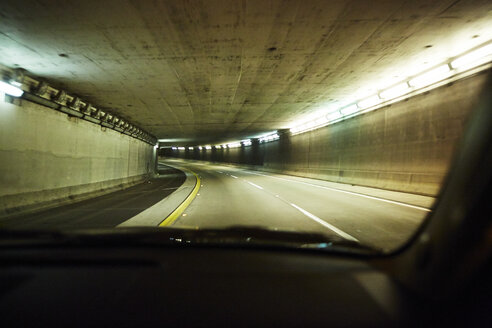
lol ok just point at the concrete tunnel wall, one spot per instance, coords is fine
(48, 158)
(406, 146)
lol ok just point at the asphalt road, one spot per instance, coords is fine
(105, 211)
(231, 196)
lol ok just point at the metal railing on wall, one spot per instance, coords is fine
(15, 83)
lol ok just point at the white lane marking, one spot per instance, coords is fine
(348, 192)
(235, 177)
(219, 171)
(325, 224)
(251, 183)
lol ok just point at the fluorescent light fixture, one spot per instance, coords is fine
(294, 129)
(321, 121)
(349, 109)
(234, 145)
(190, 148)
(334, 116)
(174, 148)
(394, 92)
(369, 102)
(309, 125)
(218, 147)
(474, 58)
(9, 89)
(181, 148)
(16, 84)
(270, 137)
(430, 77)
(247, 142)
(208, 147)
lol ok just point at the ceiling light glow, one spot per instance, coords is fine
(369, 102)
(10, 89)
(349, 110)
(247, 142)
(430, 77)
(334, 116)
(396, 91)
(474, 58)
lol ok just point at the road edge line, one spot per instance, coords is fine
(180, 209)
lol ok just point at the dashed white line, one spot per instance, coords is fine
(255, 185)
(348, 192)
(325, 224)
(235, 177)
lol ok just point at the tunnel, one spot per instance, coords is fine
(333, 117)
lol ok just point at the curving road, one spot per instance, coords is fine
(237, 196)
(234, 196)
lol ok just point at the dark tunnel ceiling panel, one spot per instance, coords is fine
(218, 70)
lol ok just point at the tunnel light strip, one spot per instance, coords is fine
(459, 64)
(42, 93)
(430, 77)
(349, 110)
(465, 62)
(270, 137)
(369, 102)
(473, 58)
(246, 143)
(394, 92)
(10, 89)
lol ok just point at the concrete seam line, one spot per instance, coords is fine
(325, 224)
(180, 209)
(349, 192)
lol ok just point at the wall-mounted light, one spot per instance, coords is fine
(349, 109)
(334, 116)
(246, 142)
(394, 92)
(10, 89)
(369, 102)
(432, 76)
(473, 58)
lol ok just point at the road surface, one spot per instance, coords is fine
(237, 196)
(105, 211)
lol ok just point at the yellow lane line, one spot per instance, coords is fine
(180, 209)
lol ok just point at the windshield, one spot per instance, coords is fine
(306, 124)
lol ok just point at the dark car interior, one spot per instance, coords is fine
(439, 278)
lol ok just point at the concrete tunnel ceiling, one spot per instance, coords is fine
(211, 71)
